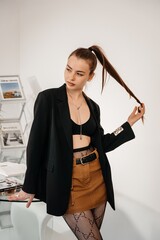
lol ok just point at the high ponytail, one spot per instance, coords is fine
(91, 55)
(108, 68)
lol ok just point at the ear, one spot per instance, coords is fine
(91, 77)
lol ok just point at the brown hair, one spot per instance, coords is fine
(91, 55)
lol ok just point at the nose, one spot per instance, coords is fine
(72, 77)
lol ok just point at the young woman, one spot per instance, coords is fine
(67, 166)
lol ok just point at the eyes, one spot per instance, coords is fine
(77, 73)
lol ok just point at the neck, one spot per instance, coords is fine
(76, 95)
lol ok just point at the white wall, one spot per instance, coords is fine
(129, 33)
(9, 37)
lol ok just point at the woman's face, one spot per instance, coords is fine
(77, 73)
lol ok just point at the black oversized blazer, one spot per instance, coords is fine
(50, 150)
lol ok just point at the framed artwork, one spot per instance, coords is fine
(11, 135)
(11, 88)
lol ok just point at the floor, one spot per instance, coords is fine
(7, 234)
(6, 229)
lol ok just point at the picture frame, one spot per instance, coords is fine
(11, 135)
(11, 88)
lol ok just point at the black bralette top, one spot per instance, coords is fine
(88, 128)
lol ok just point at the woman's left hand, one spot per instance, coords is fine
(138, 113)
(22, 196)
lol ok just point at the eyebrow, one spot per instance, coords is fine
(76, 71)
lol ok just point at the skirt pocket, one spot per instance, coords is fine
(81, 175)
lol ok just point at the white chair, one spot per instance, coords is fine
(29, 223)
(35, 224)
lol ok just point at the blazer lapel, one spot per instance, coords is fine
(64, 114)
(91, 107)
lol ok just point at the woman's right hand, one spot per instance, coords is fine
(137, 113)
(22, 196)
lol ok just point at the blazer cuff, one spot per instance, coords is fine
(128, 129)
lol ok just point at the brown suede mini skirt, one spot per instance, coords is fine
(88, 188)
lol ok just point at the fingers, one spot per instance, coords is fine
(134, 110)
(22, 196)
(136, 114)
(18, 196)
(141, 109)
(29, 201)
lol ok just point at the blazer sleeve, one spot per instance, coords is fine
(36, 144)
(122, 134)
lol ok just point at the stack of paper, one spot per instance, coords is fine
(10, 169)
(9, 184)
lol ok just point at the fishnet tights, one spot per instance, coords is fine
(86, 225)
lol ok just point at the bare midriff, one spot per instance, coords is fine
(80, 143)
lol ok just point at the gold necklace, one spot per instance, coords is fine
(78, 111)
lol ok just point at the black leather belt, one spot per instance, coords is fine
(86, 159)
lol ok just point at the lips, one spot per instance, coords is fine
(71, 84)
